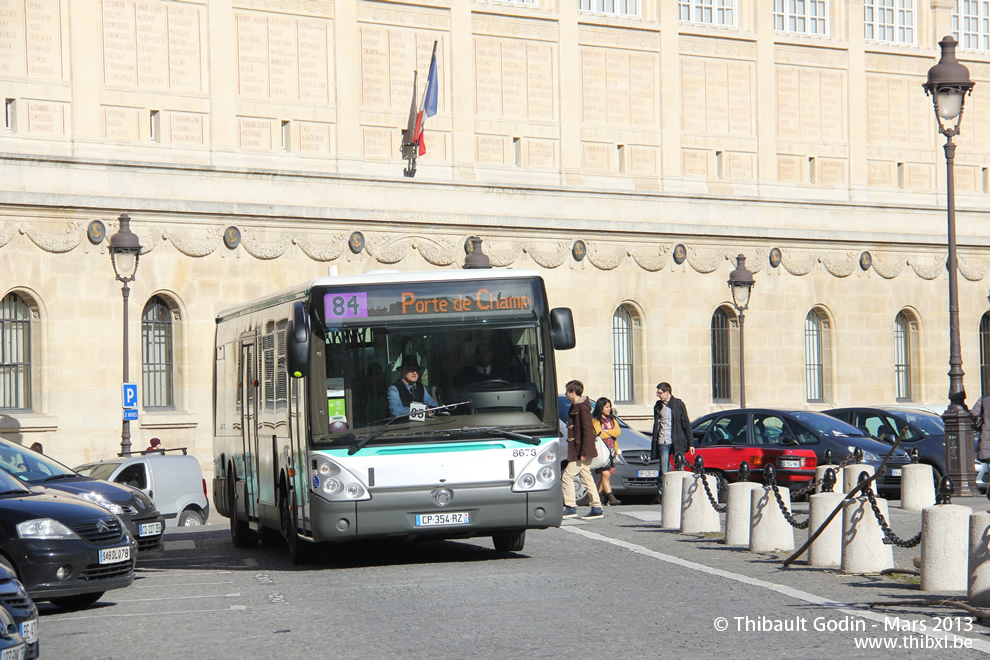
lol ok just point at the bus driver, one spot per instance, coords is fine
(408, 389)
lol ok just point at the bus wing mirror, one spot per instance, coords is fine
(297, 341)
(562, 328)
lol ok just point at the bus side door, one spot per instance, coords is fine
(249, 424)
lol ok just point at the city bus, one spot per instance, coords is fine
(307, 449)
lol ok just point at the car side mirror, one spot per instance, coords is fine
(888, 437)
(788, 440)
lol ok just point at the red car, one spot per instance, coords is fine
(726, 440)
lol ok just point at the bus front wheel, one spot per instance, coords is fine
(240, 534)
(300, 550)
(510, 541)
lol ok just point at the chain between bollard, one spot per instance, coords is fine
(889, 537)
(699, 464)
(770, 476)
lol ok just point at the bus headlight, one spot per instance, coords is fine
(540, 473)
(335, 483)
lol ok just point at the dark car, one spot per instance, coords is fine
(725, 440)
(134, 508)
(63, 549)
(15, 600)
(12, 645)
(917, 429)
(635, 473)
(819, 432)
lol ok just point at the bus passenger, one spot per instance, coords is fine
(408, 389)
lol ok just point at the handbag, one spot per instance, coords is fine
(605, 459)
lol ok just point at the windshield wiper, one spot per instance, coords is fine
(511, 435)
(15, 492)
(60, 476)
(357, 446)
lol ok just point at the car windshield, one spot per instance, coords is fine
(927, 424)
(98, 470)
(826, 425)
(30, 466)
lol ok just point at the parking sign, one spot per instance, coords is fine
(128, 394)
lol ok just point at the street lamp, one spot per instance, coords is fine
(741, 285)
(948, 84)
(125, 250)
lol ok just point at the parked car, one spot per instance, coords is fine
(134, 508)
(819, 432)
(12, 644)
(635, 473)
(916, 428)
(725, 440)
(15, 600)
(174, 482)
(63, 549)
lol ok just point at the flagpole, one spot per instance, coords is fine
(414, 133)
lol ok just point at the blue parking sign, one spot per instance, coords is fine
(130, 415)
(129, 395)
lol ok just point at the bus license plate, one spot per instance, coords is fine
(790, 462)
(29, 631)
(115, 555)
(434, 519)
(150, 529)
(647, 473)
(14, 653)
(895, 472)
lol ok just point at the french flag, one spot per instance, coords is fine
(429, 106)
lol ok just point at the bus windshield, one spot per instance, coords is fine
(478, 351)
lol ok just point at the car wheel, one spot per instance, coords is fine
(76, 602)
(510, 541)
(240, 534)
(190, 518)
(300, 550)
(722, 494)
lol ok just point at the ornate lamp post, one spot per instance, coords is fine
(125, 250)
(948, 84)
(741, 285)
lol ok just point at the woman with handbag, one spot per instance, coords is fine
(607, 429)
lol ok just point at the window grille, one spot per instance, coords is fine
(156, 354)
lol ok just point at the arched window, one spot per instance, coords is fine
(905, 329)
(814, 381)
(721, 360)
(156, 354)
(985, 354)
(622, 355)
(15, 353)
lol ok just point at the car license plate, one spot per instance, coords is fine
(790, 462)
(29, 631)
(895, 472)
(18, 652)
(115, 555)
(647, 473)
(435, 519)
(150, 529)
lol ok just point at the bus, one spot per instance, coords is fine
(307, 449)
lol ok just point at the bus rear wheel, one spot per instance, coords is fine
(240, 534)
(510, 541)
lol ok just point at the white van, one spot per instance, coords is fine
(174, 482)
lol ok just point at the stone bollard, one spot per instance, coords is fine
(978, 593)
(737, 516)
(820, 474)
(863, 549)
(671, 501)
(769, 531)
(826, 551)
(850, 475)
(944, 546)
(697, 514)
(917, 487)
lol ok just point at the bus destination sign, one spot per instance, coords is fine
(425, 300)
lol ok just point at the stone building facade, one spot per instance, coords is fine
(628, 150)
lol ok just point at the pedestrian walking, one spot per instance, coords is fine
(671, 430)
(606, 428)
(580, 452)
(981, 421)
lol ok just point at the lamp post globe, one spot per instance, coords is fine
(125, 251)
(948, 85)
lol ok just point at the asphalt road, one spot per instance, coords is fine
(617, 587)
